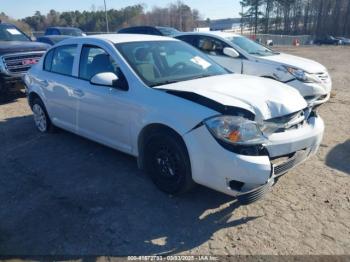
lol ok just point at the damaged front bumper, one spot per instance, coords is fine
(278, 170)
(315, 94)
(249, 178)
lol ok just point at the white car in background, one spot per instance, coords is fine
(244, 56)
(184, 117)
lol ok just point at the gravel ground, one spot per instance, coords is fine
(63, 195)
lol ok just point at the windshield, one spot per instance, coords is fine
(251, 47)
(11, 33)
(168, 31)
(71, 32)
(164, 62)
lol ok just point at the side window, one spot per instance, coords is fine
(187, 38)
(63, 59)
(153, 31)
(95, 60)
(211, 46)
(48, 60)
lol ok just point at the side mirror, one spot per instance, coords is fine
(110, 79)
(104, 79)
(231, 52)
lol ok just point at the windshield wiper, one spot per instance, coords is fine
(166, 82)
(262, 53)
(202, 76)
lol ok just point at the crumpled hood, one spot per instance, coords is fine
(265, 98)
(308, 65)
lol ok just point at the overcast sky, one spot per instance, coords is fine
(23, 8)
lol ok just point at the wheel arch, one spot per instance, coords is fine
(31, 98)
(146, 132)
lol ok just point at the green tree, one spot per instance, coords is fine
(253, 12)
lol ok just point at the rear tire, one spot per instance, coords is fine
(167, 163)
(41, 118)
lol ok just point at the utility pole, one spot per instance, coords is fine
(242, 15)
(107, 26)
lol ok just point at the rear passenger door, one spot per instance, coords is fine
(57, 84)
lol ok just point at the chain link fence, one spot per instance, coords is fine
(282, 39)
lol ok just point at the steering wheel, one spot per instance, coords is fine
(177, 67)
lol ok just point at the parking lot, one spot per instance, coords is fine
(64, 195)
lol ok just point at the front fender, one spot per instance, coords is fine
(266, 69)
(174, 112)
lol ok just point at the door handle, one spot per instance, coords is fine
(78, 92)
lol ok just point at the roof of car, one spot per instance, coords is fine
(7, 24)
(123, 38)
(166, 27)
(62, 27)
(211, 33)
(138, 26)
(55, 36)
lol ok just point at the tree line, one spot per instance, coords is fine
(177, 15)
(314, 17)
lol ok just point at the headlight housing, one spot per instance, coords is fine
(301, 75)
(235, 130)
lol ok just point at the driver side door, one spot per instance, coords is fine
(215, 49)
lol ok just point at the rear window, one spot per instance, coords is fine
(71, 31)
(48, 60)
(168, 31)
(140, 30)
(63, 59)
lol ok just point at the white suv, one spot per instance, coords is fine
(244, 56)
(183, 116)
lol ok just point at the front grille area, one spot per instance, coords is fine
(315, 98)
(323, 76)
(21, 63)
(284, 164)
(285, 123)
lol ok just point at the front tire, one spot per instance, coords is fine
(167, 163)
(41, 118)
(3, 90)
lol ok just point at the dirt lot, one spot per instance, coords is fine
(63, 195)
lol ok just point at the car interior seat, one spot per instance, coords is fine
(100, 64)
(207, 46)
(144, 65)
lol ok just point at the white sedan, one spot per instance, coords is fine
(185, 118)
(244, 56)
